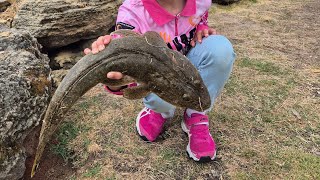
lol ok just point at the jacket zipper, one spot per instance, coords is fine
(176, 24)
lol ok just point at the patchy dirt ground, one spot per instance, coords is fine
(266, 122)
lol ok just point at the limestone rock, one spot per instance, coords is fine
(6, 16)
(66, 59)
(62, 22)
(225, 2)
(24, 95)
(3, 5)
(57, 76)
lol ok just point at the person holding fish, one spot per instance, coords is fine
(183, 26)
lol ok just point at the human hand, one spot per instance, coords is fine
(115, 75)
(98, 45)
(202, 33)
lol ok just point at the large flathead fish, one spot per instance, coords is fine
(145, 59)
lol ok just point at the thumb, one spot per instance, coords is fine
(114, 75)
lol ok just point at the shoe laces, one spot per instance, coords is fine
(155, 120)
(147, 112)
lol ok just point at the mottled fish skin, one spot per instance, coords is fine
(145, 59)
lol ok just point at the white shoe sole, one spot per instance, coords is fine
(138, 127)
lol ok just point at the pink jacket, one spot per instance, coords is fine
(176, 30)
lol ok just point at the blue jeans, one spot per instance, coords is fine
(214, 59)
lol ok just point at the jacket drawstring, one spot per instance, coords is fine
(176, 24)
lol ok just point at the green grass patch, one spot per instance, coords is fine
(84, 105)
(281, 164)
(233, 85)
(120, 149)
(263, 95)
(169, 154)
(261, 66)
(248, 153)
(89, 103)
(141, 151)
(73, 177)
(93, 171)
(299, 164)
(66, 133)
(110, 178)
(307, 112)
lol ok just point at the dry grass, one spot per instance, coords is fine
(266, 122)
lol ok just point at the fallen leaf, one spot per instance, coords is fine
(296, 113)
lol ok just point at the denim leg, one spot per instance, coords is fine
(154, 102)
(213, 58)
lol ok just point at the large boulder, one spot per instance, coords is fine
(61, 22)
(25, 87)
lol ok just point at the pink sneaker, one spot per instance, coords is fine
(149, 124)
(201, 146)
